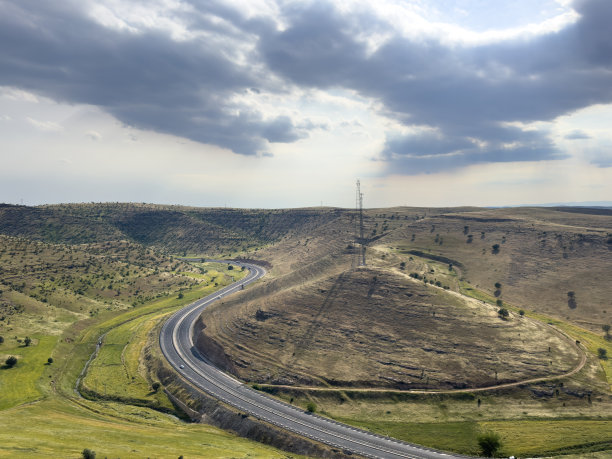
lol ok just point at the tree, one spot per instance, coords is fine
(27, 341)
(88, 454)
(180, 295)
(156, 385)
(503, 313)
(497, 285)
(1, 339)
(311, 407)
(489, 443)
(601, 353)
(11, 361)
(521, 312)
(499, 302)
(495, 249)
(606, 329)
(50, 360)
(571, 300)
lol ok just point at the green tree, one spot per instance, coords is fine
(50, 360)
(503, 313)
(606, 329)
(521, 312)
(602, 353)
(180, 295)
(156, 385)
(1, 339)
(495, 249)
(497, 285)
(88, 454)
(27, 341)
(489, 443)
(11, 361)
(311, 407)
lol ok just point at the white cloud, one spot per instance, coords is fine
(16, 94)
(45, 126)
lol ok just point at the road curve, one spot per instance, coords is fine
(176, 341)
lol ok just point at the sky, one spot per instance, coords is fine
(275, 104)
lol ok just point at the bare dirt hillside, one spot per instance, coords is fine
(372, 327)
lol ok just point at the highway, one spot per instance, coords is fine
(176, 341)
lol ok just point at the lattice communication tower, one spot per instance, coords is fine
(359, 238)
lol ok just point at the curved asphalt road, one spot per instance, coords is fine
(176, 340)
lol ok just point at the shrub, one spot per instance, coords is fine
(521, 312)
(88, 454)
(311, 407)
(27, 341)
(489, 443)
(1, 339)
(11, 361)
(50, 360)
(503, 313)
(156, 385)
(602, 353)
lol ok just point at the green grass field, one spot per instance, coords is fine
(41, 417)
(19, 385)
(59, 428)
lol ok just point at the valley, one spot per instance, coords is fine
(409, 346)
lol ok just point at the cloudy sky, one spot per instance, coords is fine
(267, 103)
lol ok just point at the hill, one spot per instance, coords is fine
(374, 327)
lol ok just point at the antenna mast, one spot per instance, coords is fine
(359, 239)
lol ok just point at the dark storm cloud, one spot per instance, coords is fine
(470, 94)
(465, 104)
(146, 80)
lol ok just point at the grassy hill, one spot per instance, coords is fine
(423, 314)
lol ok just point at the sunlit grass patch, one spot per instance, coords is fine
(19, 384)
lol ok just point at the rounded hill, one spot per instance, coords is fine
(377, 327)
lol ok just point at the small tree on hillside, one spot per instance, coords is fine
(602, 353)
(503, 313)
(88, 454)
(495, 249)
(311, 407)
(571, 300)
(11, 361)
(606, 329)
(1, 339)
(27, 341)
(489, 443)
